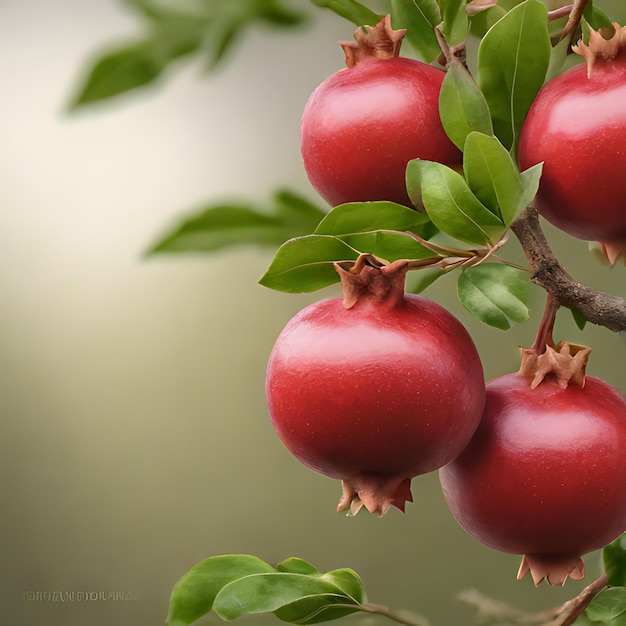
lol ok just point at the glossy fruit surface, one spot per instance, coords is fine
(375, 394)
(545, 473)
(577, 127)
(363, 125)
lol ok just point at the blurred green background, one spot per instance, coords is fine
(135, 438)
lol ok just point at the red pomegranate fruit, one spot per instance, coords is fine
(545, 473)
(363, 124)
(375, 388)
(577, 127)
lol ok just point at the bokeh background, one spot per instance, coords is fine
(135, 440)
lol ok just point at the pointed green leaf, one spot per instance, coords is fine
(450, 203)
(418, 281)
(462, 106)
(358, 217)
(419, 17)
(530, 184)
(194, 594)
(316, 609)
(225, 225)
(495, 294)
(579, 319)
(614, 557)
(596, 18)
(455, 23)
(608, 607)
(294, 565)
(387, 245)
(121, 70)
(268, 592)
(513, 59)
(348, 581)
(492, 175)
(351, 10)
(305, 264)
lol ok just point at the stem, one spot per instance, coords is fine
(556, 14)
(544, 334)
(397, 615)
(564, 615)
(546, 271)
(570, 611)
(575, 16)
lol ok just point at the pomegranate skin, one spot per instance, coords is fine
(364, 123)
(375, 395)
(545, 473)
(577, 127)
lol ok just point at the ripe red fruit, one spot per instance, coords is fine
(376, 393)
(577, 127)
(362, 125)
(545, 473)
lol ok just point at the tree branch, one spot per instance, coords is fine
(546, 271)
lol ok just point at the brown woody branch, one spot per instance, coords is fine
(598, 307)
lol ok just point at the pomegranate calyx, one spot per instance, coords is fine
(369, 279)
(566, 363)
(375, 42)
(600, 48)
(613, 250)
(555, 568)
(376, 493)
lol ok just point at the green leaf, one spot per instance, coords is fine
(596, 18)
(484, 20)
(268, 592)
(455, 21)
(462, 106)
(295, 565)
(450, 203)
(172, 32)
(418, 281)
(579, 319)
(358, 217)
(351, 10)
(513, 59)
(492, 176)
(495, 294)
(387, 245)
(194, 594)
(608, 607)
(530, 183)
(305, 264)
(222, 226)
(614, 557)
(121, 70)
(419, 17)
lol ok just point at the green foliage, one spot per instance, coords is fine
(495, 294)
(351, 10)
(614, 557)
(235, 585)
(173, 30)
(513, 58)
(462, 106)
(225, 225)
(608, 607)
(419, 17)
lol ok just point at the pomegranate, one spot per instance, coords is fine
(363, 124)
(374, 389)
(545, 473)
(577, 127)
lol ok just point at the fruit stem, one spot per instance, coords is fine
(546, 326)
(575, 15)
(451, 54)
(397, 615)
